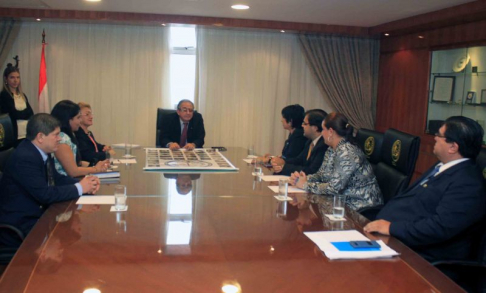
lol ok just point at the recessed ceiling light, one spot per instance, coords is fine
(163, 24)
(218, 24)
(38, 19)
(93, 0)
(282, 31)
(240, 6)
(420, 37)
(387, 34)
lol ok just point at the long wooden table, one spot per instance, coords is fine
(228, 230)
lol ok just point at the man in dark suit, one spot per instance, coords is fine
(184, 129)
(311, 157)
(438, 213)
(30, 182)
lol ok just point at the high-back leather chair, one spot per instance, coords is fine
(160, 113)
(399, 153)
(7, 139)
(370, 142)
(481, 163)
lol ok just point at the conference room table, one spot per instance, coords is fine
(225, 229)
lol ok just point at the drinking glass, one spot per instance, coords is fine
(338, 206)
(128, 150)
(283, 188)
(282, 209)
(257, 171)
(120, 197)
(251, 151)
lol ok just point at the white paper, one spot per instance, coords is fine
(113, 209)
(273, 178)
(251, 157)
(248, 160)
(96, 199)
(124, 161)
(335, 219)
(323, 240)
(292, 189)
(122, 146)
(282, 198)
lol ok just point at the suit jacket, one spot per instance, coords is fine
(171, 130)
(7, 105)
(87, 149)
(436, 219)
(294, 144)
(300, 163)
(24, 192)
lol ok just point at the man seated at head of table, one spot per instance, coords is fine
(310, 158)
(90, 150)
(438, 212)
(292, 117)
(183, 129)
(30, 183)
(67, 159)
(345, 169)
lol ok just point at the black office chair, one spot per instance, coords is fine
(370, 142)
(398, 157)
(160, 113)
(7, 253)
(7, 139)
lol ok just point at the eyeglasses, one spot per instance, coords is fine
(186, 110)
(440, 135)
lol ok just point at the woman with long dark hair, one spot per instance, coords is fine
(345, 169)
(67, 159)
(14, 102)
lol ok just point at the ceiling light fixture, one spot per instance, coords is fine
(93, 0)
(240, 6)
(163, 24)
(38, 19)
(420, 37)
(282, 31)
(387, 34)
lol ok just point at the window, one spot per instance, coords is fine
(182, 63)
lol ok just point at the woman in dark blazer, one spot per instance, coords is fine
(14, 102)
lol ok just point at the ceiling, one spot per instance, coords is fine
(367, 13)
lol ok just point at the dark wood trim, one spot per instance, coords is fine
(460, 14)
(158, 19)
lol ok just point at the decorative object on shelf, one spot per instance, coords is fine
(443, 89)
(474, 69)
(470, 97)
(461, 63)
(483, 97)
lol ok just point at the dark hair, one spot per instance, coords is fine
(41, 123)
(64, 111)
(315, 118)
(184, 101)
(294, 114)
(9, 70)
(467, 133)
(340, 124)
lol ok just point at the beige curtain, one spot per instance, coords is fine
(9, 29)
(346, 70)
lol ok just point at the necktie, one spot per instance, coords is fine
(50, 178)
(310, 150)
(184, 135)
(93, 141)
(430, 175)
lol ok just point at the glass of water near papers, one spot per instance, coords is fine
(257, 171)
(338, 206)
(251, 151)
(283, 188)
(120, 197)
(128, 151)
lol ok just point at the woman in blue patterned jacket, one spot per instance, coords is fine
(345, 169)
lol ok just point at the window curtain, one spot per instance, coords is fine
(346, 70)
(9, 29)
(243, 81)
(122, 71)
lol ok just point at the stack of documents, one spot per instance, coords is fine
(333, 246)
(96, 199)
(114, 174)
(273, 178)
(292, 189)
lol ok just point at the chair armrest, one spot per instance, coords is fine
(14, 229)
(370, 212)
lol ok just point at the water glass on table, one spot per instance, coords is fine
(338, 206)
(257, 171)
(251, 151)
(283, 188)
(128, 150)
(120, 197)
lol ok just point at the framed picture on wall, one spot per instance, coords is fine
(470, 97)
(443, 89)
(483, 97)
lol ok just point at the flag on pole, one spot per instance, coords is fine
(43, 97)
